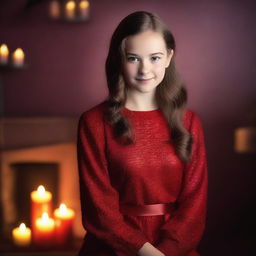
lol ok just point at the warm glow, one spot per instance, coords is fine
(70, 5)
(64, 212)
(4, 50)
(22, 227)
(64, 218)
(63, 208)
(41, 195)
(4, 53)
(54, 9)
(45, 224)
(45, 221)
(84, 9)
(245, 139)
(70, 9)
(84, 4)
(21, 235)
(45, 217)
(18, 57)
(19, 54)
(41, 190)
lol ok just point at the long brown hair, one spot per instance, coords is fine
(171, 95)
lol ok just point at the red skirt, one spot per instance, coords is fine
(149, 225)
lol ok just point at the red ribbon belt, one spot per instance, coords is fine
(146, 209)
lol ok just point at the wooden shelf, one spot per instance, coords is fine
(49, 253)
(73, 20)
(7, 248)
(9, 67)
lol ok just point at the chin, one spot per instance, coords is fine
(145, 90)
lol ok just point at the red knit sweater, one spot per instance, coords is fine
(147, 172)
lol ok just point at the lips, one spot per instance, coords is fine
(143, 79)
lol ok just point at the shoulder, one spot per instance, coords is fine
(191, 118)
(93, 116)
(95, 112)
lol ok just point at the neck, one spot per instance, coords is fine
(140, 101)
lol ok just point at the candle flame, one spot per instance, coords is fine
(22, 227)
(84, 4)
(45, 216)
(4, 49)
(63, 208)
(41, 190)
(70, 5)
(19, 53)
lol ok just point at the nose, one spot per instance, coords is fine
(144, 67)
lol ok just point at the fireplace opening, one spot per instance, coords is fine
(26, 178)
(24, 169)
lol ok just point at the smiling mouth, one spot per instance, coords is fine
(144, 80)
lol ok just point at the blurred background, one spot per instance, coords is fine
(63, 75)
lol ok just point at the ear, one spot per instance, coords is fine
(170, 53)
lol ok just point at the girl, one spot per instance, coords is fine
(141, 153)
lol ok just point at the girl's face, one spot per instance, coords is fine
(146, 58)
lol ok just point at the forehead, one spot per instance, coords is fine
(145, 43)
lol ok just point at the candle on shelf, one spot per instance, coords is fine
(18, 57)
(70, 9)
(54, 9)
(4, 53)
(63, 224)
(21, 235)
(44, 234)
(84, 6)
(41, 201)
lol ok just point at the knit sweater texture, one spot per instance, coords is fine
(146, 172)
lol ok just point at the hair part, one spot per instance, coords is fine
(171, 94)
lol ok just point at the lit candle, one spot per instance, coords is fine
(70, 9)
(4, 53)
(84, 9)
(21, 235)
(41, 201)
(44, 234)
(54, 9)
(63, 224)
(18, 57)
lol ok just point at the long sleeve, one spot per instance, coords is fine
(99, 199)
(183, 230)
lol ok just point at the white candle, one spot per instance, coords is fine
(70, 8)
(21, 235)
(4, 53)
(18, 57)
(84, 6)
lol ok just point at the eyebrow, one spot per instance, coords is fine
(130, 53)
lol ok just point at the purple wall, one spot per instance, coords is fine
(215, 56)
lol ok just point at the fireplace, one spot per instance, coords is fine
(38, 151)
(26, 177)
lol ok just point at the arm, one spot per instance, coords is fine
(99, 200)
(183, 231)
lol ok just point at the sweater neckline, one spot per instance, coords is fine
(142, 111)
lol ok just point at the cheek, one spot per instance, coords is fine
(160, 69)
(129, 69)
